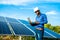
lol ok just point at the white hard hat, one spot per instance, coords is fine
(36, 8)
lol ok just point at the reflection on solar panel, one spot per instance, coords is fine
(2, 19)
(47, 35)
(25, 22)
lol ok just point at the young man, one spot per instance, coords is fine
(41, 19)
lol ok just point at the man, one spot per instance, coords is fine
(41, 19)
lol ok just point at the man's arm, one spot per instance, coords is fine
(33, 23)
(37, 22)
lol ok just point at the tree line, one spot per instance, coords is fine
(53, 28)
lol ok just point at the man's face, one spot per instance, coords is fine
(37, 12)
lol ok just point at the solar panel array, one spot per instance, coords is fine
(18, 28)
(9, 26)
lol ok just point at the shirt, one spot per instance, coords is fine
(42, 19)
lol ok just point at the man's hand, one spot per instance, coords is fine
(29, 20)
(36, 22)
(39, 28)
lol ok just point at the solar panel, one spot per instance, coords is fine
(11, 20)
(23, 21)
(2, 19)
(55, 35)
(27, 24)
(4, 28)
(47, 35)
(20, 29)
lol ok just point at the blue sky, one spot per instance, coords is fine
(25, 8)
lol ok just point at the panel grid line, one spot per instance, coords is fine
(13, 33)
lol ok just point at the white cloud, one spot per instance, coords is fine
(51, 13)
(52, 0)
(25, 2)
(27, 8)
(17, 2)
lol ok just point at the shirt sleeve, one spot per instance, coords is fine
(44, 20)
